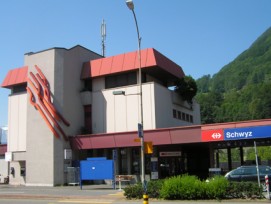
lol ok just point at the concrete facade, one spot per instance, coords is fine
(38, 156)
(120, 113)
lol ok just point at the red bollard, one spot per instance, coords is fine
(267, 186)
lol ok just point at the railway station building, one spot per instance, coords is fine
(61, 109)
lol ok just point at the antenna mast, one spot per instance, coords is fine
(103, 34)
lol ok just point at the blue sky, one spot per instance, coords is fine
(200, 35)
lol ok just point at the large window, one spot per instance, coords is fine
(19, 89)
(88, 85)
(182, 116)
(88, 120)
(136, 161)
(120, 80)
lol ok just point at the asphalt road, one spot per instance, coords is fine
(91, 201)
(94, 194)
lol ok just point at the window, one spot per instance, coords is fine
(22, 168)
(174, 113)
(136, 161)
(120, 80)
(88, 120)
(179, 115)
(19, 89)
(236, 172)
(182, 116)
(88, 85)
(187, 117)
(191, 118)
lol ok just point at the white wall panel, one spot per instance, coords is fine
(17, 122)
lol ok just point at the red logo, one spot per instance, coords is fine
(212, 135)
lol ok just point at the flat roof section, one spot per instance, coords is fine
(152, 61)
(15, 77)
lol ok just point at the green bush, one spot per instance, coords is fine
(244, 190)
(154, 188)
(133, 191)
(171, 188)
(182, 188)
(187, 187)
(216, 187)
(136, 190)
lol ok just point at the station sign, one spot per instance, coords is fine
(170, 154)
(212, 135)
(247, 133)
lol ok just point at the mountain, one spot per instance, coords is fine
(241, 89)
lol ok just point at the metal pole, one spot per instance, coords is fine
(257, 164)
(141, 105)
(130, 5)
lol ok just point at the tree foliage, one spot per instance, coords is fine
(186, 87)
(241, 89)
(264, 153)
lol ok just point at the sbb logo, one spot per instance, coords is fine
(216, 135)
(212, 135)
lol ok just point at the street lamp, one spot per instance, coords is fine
(130, 5)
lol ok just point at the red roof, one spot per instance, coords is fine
(152, 62)
(188, 134)
(164, 136)
(150, 58)
(15, 77)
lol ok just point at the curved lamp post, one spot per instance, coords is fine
(130, 5)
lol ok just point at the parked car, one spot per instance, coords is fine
(249, 173)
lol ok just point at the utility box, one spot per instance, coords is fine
(98, 168)
(73, 175)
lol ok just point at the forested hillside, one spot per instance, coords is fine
(241, 90)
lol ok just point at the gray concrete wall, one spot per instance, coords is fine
(164, 108)
(45, 153)
(40, 140)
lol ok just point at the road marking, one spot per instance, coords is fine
(11, 192)
(117, 194)
(89, 201)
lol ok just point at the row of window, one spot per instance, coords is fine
(182, 116)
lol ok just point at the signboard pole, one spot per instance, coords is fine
(114, 153)
(257, 164)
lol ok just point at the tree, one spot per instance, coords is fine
(186, 87)
(264, 153)
(210, 103)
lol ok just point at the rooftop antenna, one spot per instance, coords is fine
(103, 34)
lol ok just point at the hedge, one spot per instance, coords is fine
(186, 187)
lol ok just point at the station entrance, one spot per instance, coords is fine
(194, 150)
(190, 159)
